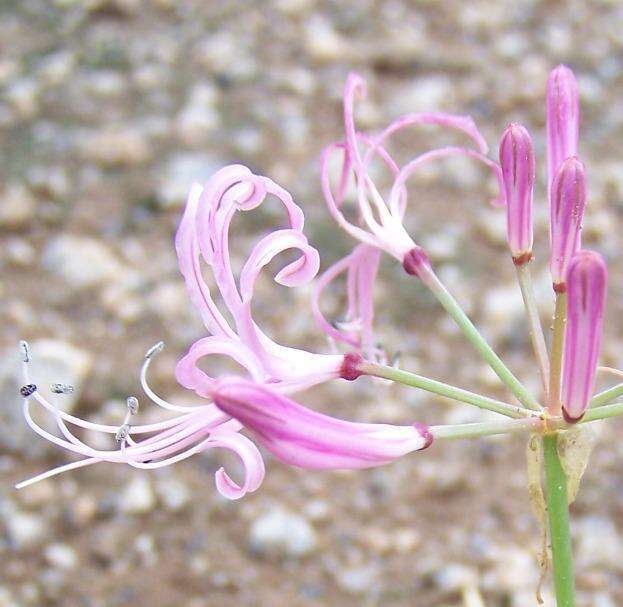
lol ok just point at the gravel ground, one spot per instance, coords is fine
(108, 109)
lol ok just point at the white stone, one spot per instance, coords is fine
(17, 207)
(174, 494)
(25, 530)
(282, 534)
(137, 497)
(61, 556)
(82, 262)
(180, 172)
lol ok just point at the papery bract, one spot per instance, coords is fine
(586, 285)
(301, 437)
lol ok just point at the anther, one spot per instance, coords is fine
(28, 390)
(123, 433)
(132, 403)
(61, 389)
(25, 350)
(154, 350)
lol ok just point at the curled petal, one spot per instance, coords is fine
(445, 152)
(187, 247)
(586, 284)
(189, 375)
(361, 266)
(301, 437)
(250, 458)
(297, 273)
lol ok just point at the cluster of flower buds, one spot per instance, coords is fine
(261, 400)
(580, 274)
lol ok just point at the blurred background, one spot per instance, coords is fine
(109, 109)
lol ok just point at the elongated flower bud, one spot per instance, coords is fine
(563, 119)
(301, 437)
(567, 204)
(586, 284)
(517, 162)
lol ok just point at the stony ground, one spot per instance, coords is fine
(108, 110)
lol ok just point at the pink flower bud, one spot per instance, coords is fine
(301, 437)
(563, 119)
(567, 204)
(517, 161)
(586, 283)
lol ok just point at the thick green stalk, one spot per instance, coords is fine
(429, 278)
(534, 322)
(437, 387)
(558, 514)
(558, 342)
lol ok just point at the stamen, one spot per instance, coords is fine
(155, 349)
(25, 350)
(61, 389)
(28, 390)
(122, 433)
(152, 395)
(132, 403)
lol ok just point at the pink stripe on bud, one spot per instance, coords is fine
(301, 437)
(586, 283)
(567, 204)
(517, 161)
(563, 119)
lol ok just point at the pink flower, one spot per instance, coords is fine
(586, 283)
(380, 226)
(382, 217)
(518, 168)
(301, 437)
(563, 119)
(203, 235)
(568, 201)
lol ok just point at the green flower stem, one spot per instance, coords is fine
(603, 412)
(429, 278)
(558, 341)
(524, 277)
(437, 387)
(511, 426)
(607, 396)
(558, 514)
(486, 428)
